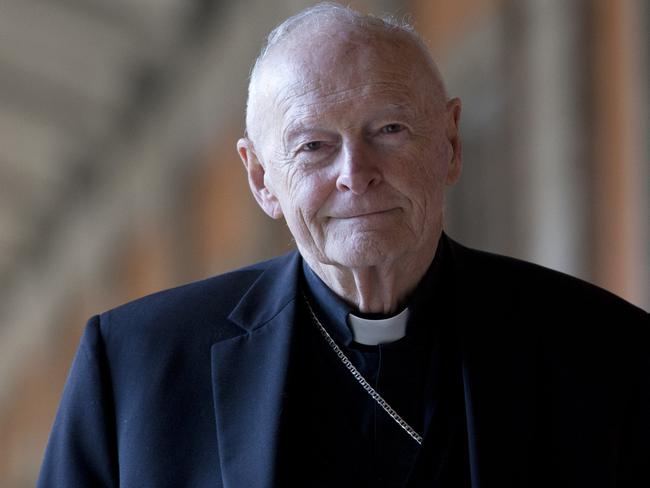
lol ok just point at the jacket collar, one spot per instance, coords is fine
(249, 375)
(275, 288)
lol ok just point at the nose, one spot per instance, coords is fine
(359, 170)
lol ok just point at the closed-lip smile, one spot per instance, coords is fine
(362, 214)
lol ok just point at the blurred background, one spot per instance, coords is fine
(119, 176)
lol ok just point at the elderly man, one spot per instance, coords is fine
(382, 353)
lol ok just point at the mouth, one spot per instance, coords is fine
(363, 214)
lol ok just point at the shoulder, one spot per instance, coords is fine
(187, 312)
(536, 287)
(511, 304)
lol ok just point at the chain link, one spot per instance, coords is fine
(361, 380)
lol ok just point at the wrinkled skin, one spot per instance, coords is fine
(353, 144)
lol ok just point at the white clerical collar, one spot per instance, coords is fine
(382, 331)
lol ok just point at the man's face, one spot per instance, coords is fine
(355, 148)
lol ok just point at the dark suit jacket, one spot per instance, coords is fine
(184, 387)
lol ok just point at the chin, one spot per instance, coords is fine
(360, 253)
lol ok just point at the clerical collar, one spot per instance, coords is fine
(378, 331)
(334, 312)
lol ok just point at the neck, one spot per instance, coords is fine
(382, 288)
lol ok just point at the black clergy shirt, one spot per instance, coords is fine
(335, 434)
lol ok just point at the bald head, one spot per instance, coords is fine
(331, 34)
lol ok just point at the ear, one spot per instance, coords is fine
(453, 136)
(257, 179)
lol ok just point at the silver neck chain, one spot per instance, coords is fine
(361, 380)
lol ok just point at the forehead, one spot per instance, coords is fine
(369, 90)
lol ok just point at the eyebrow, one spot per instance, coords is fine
(297, 127)
(294, 129)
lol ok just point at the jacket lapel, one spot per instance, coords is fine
(249, 374)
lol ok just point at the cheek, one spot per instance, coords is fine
(419, 171)
(433, 160)
(421, 175)
(305, 193)
(314, 191)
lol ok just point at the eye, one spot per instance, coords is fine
(312, 146)
(392, 128)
